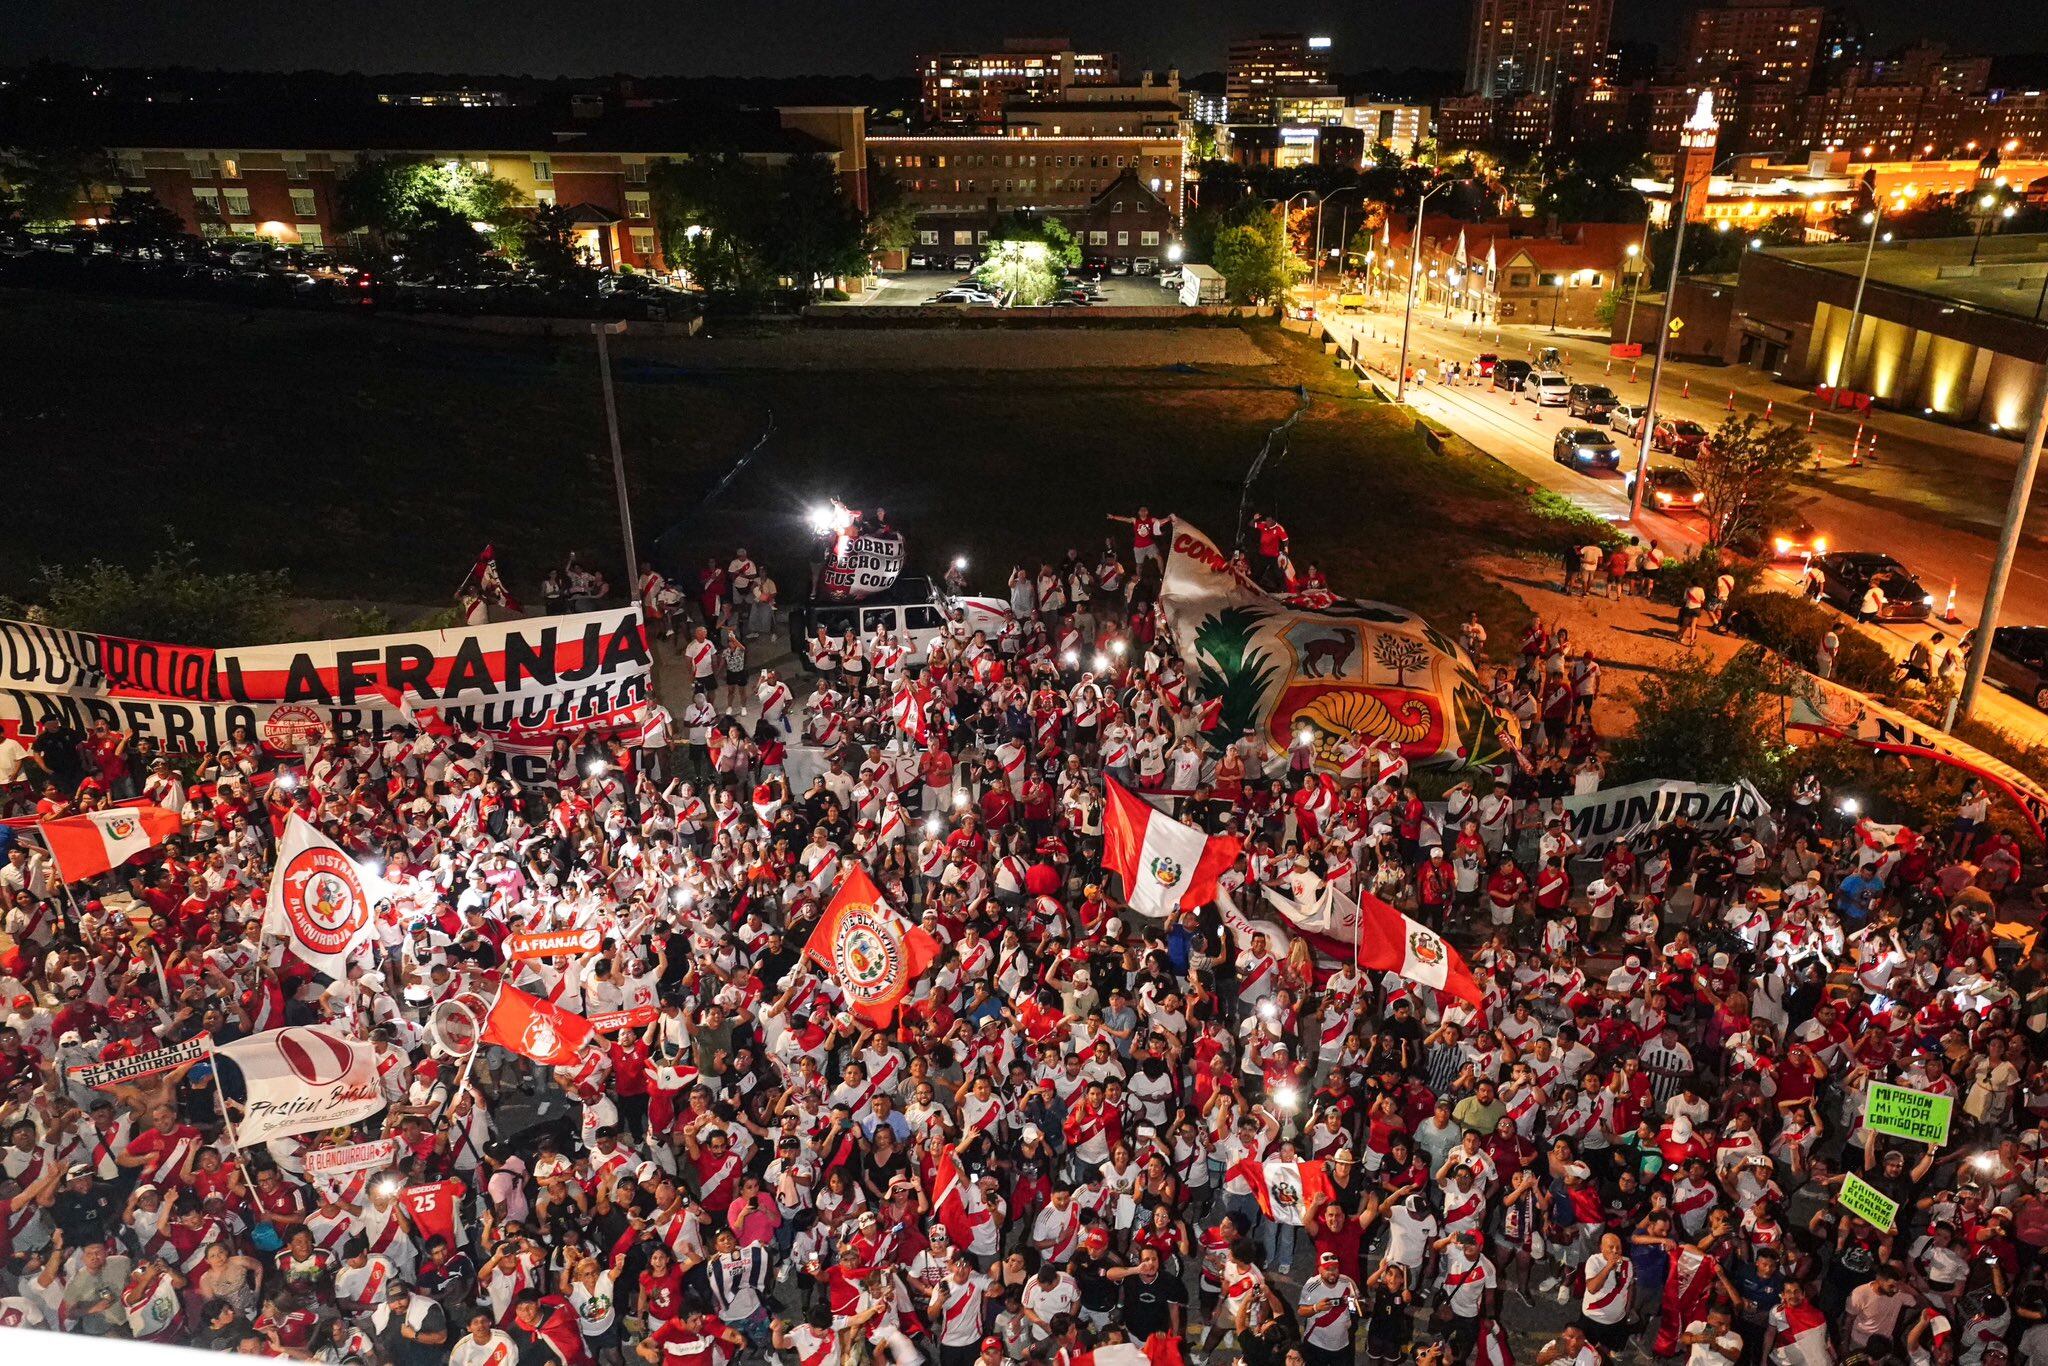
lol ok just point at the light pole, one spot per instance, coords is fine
(1635, 287)
(611, 422)
(2001, 567)
(1408, 309)
(1848, 357)
(1322, 206)
(1681, 201)
(1984, 221)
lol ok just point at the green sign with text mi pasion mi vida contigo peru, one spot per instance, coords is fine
(1904, 1113)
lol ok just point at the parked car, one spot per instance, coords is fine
(1120, 266)
(1511, 375)
(963, 296)
(1170, 279)
(1547, 389)
(1681, 437)
(963, 262)
(1487, 360)
(2019, 660)
(919, 260)
(1145, 265)
(1847, 575)
(1627, 417)
(1585, 448)
(1671, 489)
(1796, 539)
(1590, 401)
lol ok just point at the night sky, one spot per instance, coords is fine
(792, 37)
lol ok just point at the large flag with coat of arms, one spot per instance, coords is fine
(871, 951)
(317, 902)
(1391, 942)
(1288, 1192)
(1166, 866)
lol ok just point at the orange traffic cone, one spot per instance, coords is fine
(1631, 372)
(1686, 392)
(1731, 400)
(1770, 405)
(1608, 369)
(1809, 419)
(1948, 611)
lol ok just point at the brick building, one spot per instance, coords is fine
(971, 90)
(962, 184)
(272, 173)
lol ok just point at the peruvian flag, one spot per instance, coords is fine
(1390, 942)
(1288, 1191)
(436, 1210)
(86, 846)
(536, 1029)
(488, 590)
(908, 709)
(1161, 1349)
(1166, 866)
(960, 1207)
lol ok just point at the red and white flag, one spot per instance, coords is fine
(300, 1080)
(872, 952)
(1390, 942)
(536, 1029)
(317, 902)
(1166, 866)
(1288, 1192)
(86, 846)
(485, 588)
(961, 1209)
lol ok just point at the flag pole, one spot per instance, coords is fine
(234, 1129)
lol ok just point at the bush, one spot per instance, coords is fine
(1572, 524)
(1794, 627)
(1701, 569)
(1707, 725)
(173, 600)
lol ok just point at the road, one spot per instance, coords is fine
(1942, 547)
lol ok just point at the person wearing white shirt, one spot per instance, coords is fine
(1712, 1341)
(1048, 1294)
(483, 1345)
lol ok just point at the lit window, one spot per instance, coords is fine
(230, 168)
(303, 204)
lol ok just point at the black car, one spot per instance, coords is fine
(1590, 401)
(1585, 448)
(1847, 575)
(2019, 660)
(1511, 375)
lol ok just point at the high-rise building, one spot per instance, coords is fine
(971, 89)
(1536, 46)
(1268, 68)
(1739, 41)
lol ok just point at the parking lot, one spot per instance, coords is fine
(906, 288)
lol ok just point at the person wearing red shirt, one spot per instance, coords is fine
(997, 806)
(163, 1151)
(661, 1288)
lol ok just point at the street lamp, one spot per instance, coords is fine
(1635, 287)
(1322, 207)
(1987, 203)
(1414, 265)
(1848, 356)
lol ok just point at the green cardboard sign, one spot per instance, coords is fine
(1902, 1113)
(1867, 1203)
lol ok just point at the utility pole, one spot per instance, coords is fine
(1414, 268)
(1635, 496)
(2001, 567)
(611, 421)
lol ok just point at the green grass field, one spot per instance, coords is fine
(371, 458)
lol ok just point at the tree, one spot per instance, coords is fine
(1256, 259)
(1744, 472)
(393, 199)
(172, 600)
(137, 218)
(548, 245)
(817, 231)
(1707, 725)
(45, 185)
(892, 217)
(1202, 144)
(1025, 257)
(714, 215)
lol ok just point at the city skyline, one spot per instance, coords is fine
(798, 37)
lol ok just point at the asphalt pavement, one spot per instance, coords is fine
(1947, 543)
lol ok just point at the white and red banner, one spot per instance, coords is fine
(86, 846)
(553, 944)
(610, 1021)
(352, 1157)
(1390, 942)
(299, 1080)
(861, 561)
(1166, 866)
(317, 902)
(871, 951)
(143, 1064)
(524, 682)
(536, 1029)
(1288, 1192)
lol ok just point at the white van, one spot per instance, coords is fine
(914, 608)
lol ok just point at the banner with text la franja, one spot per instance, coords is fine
(523, 682)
